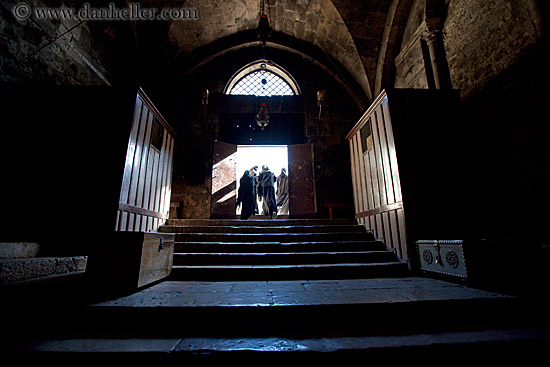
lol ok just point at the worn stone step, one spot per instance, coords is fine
(248, 247)
(288, 272)
(263, 229)
(259, 222)
(274, 237)
(313, 308)
(285, 258)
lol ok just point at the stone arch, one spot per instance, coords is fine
(262, 65)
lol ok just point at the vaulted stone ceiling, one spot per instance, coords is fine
(356, 39)
(362, 36)
(314, 21)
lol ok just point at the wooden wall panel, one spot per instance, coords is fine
(408, 169)
(376, 181)
(145, 190)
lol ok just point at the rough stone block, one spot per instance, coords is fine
(13, 250)
(20, 270)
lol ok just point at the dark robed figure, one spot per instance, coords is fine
(282, 192)
(246, 195)
(266, 190)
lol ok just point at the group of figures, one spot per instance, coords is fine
(262, 186)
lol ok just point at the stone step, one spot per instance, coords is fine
(289, 272)
(274, 237)
(502, 345)
(263, 229)
(374, 306)
(194, 259)
(259, 222)
(275, 247)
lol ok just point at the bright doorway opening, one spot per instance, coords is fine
(275, 157)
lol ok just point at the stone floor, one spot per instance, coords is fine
(346, 317)
(302, 293)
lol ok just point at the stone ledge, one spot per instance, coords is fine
(21, 270)
(13, 250)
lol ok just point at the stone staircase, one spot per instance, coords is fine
(274, 290)
(281, 249)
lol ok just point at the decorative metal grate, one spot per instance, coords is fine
(262, 83)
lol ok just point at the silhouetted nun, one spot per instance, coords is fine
(267, 186)
(245, 196)
(282, 192)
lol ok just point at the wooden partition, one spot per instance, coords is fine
(146, 185)
(375, 177)
(405, 159)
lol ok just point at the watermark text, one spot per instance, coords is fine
(134, 11)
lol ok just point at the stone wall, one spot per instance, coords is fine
(49, 51)
(497, 56)
(409, 64)
(484, 38)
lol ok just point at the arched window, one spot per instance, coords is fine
(262, 78)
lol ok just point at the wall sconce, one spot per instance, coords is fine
(205, 96)
(321, 94)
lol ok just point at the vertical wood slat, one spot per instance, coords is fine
(385, 159)
(124, 192)
(137, 224)
(371, 168)
(402, 234)
(149, 179)
(378, 184)
(357, 182)
(124, 221)
(136, 165)
(391, 150)
(144, 162)
(378, 165)
(154, 175)
(364, 200)
(368, 188)
(353, 173)
(164, 178)
(383, 169)
(362, 183)
(146, 186)
(131, 218)
(395, 243)
(168, 194)
(160, 171)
